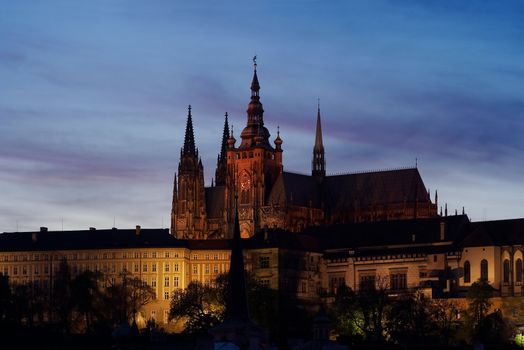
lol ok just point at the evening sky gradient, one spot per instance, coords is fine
(94, 95)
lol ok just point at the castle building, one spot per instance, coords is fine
(270, 197)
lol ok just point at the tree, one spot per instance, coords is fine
(479, 295)
(86, 289)
(201, 306)
(62, 296)
(345, 312)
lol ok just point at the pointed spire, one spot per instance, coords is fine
(225, 136)
(436, 198)
(255, 86)
(318, 163)
(236, 298)
(189, 138)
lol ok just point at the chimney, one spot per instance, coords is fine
(92, 229)
(137, 230)
(442, 230)
(43, 229)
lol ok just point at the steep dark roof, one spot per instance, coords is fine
(374, 188)
(215, 201)
(389, 233)
(88, 239)
(498, 232)
(295, 189)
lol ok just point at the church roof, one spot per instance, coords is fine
(215, 201)
(295, 189)
(498, 232)
(374, 188)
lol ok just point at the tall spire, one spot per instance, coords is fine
(318, 163)
(236, 299)
(189, 139)
(225, 136)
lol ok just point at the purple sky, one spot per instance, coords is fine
(94, 95)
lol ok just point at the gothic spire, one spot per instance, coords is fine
(189, 138)
(319, 163)
(225, 136)
(236, 298)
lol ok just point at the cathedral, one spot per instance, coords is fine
(250, 175)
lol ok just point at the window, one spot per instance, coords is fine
(166, 295)
(136, 268)
(518, 271)
(144, 268)
(505, 269)
(153, 255)
(264, 282)
(215, 257)
(153, 283)
(367, 281)
(15, 270)
(166, 254)
(24, 270)
(137, 255)
(195, 269)
(263, 262)
(206, 269)
(467, 272)
(153, 267)
(6, 271)
(144, 255)
(166, 268)
(166, 281)
(398, 280)
(195, 257)
(484, 270)
(175, 281)
(207, 257)
(176, 267)
(176, 255)
(215, 269)
(335, 282)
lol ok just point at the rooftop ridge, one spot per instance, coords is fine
(291, 171)
(372, 171)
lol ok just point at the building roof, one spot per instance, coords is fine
(498, 232)
(374, 189)
(295, 189)
(215, 197)
(88, 239)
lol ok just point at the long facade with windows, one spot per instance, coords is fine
(440, 256)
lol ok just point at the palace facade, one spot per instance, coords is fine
(251, 173)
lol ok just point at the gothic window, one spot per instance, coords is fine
(518, 271)
(484, 270)
(506, 271)
(467, 272)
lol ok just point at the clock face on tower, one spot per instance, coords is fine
(245, 181)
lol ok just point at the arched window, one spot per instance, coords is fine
(484, 270)
(467, 272)
(518, 271)
(506, 271)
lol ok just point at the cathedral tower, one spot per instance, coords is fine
(318, 165)
(188, 215)
(221, 171)
(254, 166)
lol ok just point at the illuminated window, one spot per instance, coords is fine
(144, 268)
(176, 267)
(175, 281)
(166, 267)
(207, 257)
(166, 295)
(144, 255)
(215, 257)
(505, 269)
(153, 267)
(215, 269)
(136, 268)
(153, 255)
(195, 269)
(195, 257)
(518, 271)
(484, 270)
(166, 281)
(467, 272)
(166, 254)
(153, 283)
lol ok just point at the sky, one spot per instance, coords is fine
(94, 96)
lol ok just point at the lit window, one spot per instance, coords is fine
(166, 254)
(144, 268)
(175, 281)
(195, 257)
(153, 255)
(207, 269)
(166, 281)
(166, 295)
(153, 283)
(207, 256)
(166, 267)
(153, 267)
(215, 269)
(176, 267)
(195, 269)
(136, 268)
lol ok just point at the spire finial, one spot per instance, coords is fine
(189, 138)
(255, 62)
(318, 104)
(278, 130)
